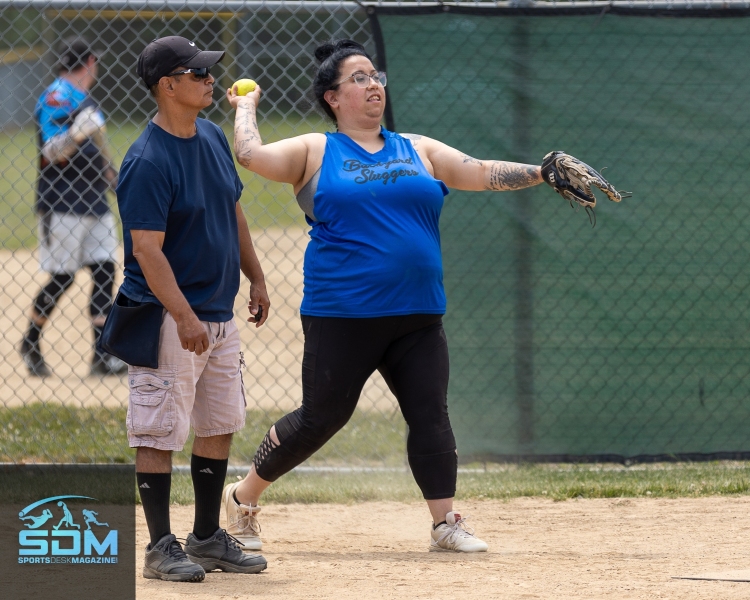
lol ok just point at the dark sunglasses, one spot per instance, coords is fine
(201, 73)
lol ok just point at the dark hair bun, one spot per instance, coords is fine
(324, 51)
(327, 49)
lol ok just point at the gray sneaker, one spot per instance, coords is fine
(222, 551)
(168, 561)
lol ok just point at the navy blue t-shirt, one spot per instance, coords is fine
(186, 188)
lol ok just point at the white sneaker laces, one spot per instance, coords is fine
(457, 531)
(248, 520)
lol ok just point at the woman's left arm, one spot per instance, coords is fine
(462, 172)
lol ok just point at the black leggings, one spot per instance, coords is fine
(411, 353)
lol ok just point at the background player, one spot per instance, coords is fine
(76, 226)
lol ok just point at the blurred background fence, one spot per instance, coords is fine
(567, 342)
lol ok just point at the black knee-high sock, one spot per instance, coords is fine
(208, 482)
(154, 489)
(33, 333)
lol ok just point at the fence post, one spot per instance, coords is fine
(522, 242)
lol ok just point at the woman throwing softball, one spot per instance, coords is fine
(373, 291)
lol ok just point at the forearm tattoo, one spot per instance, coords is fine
(243, 148)
(246, 134)
(511, 176)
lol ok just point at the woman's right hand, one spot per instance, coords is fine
(251, 100)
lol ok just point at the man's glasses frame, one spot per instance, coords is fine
(362, 79)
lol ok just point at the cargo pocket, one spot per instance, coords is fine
(151, 409)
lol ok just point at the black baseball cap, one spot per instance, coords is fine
(162, 56)
(73, 52)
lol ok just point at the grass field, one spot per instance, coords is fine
(503, 482)
(266, 203)
(54, 433)
(51, 433)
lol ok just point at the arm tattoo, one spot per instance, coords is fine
(511, 176)
(413, 137)
(246, 135)
(250, 128)
(244, 152)
(469, 159)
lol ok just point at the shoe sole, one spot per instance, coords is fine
(150, 573)
(251, 545)
(439, 549)
(209, 564)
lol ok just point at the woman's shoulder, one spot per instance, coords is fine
(414, 139)
(313, 137)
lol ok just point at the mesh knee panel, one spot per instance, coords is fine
(263, 451)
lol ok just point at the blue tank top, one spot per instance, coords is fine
(374, 247)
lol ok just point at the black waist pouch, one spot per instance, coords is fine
(131, 332)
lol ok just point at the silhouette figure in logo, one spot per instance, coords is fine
(67, 519)
(89, 516)
(37, 522)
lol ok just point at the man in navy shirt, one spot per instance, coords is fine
(186, 241)
(76, 227)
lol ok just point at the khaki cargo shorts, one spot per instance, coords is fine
(204, 391)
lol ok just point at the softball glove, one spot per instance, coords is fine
(572, 179)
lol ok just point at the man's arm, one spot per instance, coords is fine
(147, 250)
(250, 266)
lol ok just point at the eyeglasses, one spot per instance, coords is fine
(201, 73)
(363, 79)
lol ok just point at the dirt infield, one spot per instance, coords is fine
(619, 548)
(273, 353)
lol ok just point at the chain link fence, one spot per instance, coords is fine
(564, 341)
(629, 340)
(71, 415)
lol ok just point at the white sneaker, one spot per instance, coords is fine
(454, 536)
(241, 521)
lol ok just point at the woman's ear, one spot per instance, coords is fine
(331, 98)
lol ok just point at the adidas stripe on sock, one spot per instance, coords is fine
(208, 483)
(154, 489)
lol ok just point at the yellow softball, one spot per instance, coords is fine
(244, 86)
